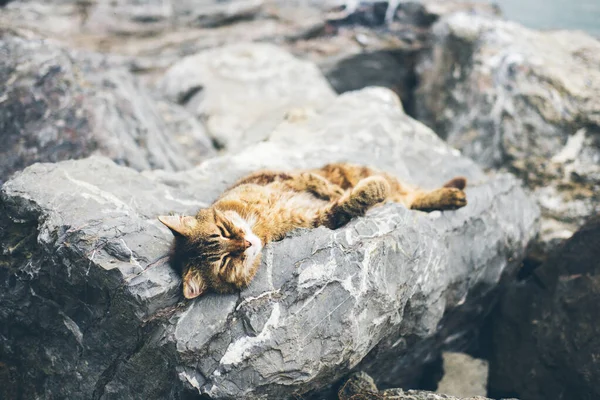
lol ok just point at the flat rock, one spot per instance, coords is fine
(546, 342)
(90, 309)
(243, 91)
(59, 105)
(524, 101)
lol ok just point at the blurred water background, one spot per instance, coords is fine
(553, 14)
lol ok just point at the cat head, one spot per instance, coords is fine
(213, 250)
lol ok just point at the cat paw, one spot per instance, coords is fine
(452, 198)
(335, 192)
(371, 191)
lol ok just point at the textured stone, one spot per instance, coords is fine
(151, 35)
(361, 386)
(521, 100)
(376, 43)
(58, 105)
(129, 17)
(546, 332)
(243, 91)
(89, 308)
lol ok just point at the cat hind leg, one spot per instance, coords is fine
(445, 198)
(366, 194)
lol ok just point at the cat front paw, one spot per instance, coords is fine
(371, 191)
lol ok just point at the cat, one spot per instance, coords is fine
(219, 249)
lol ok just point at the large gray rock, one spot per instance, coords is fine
(58, 105)
(377, 43)
(242, 91)
(546, 335)
(88, 308)
(521, 100)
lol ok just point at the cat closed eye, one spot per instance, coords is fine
(224, 233)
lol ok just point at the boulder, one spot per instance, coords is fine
(243, 91)
(89, 307)
(59, 105)
(546, 334)
(524, 101)
(377, 43)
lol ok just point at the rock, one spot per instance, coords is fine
(243, 91)
(89, 308)
(545, 334)
(58, 105)
(523, 101)
(464, 376)
(361, 386)
(126, 18)
(152, 35)
(377, 43)
(186, 130)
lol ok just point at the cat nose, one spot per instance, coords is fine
(247, 244)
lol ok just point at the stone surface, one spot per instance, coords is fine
(90, 309)
(124, 18)
(58, 105)
(376, 43)
(546, 332)
(151, 35)
(243, 91)
(361, 386)
(464, 375)
(524, 101)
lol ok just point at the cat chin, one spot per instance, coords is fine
(253, 251)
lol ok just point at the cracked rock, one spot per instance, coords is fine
(524, 101)
(57, 105)
(89, 307)
(243, 91)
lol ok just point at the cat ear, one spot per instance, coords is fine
(218, 215)
(182, 225)
(193, 286)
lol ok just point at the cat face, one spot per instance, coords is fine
(217, 250)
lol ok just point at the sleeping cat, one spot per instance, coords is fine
(220, 248)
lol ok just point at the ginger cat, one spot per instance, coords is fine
(220, 248)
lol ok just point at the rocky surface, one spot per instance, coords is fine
(361, 386)
(59, 105)
(90, 309)
(243, 91)
(546, 333)
(377, 43)
(524, 101)
(152, 35)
